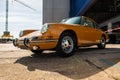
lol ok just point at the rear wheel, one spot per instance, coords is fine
(66, 45)
(102, 43)
(37, 51)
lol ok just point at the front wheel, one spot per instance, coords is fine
(37, 51)
(102, 43)
(66, 45)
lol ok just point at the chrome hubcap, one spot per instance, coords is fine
(67, 44)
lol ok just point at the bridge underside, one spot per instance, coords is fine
(103, 10)
(99, 10)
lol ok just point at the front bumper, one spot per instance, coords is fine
(42, 44)
(21, 44)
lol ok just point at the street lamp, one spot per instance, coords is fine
(7, 10)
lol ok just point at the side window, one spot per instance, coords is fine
(87, 22)
(95, 25)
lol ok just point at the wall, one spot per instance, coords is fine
(55, 10)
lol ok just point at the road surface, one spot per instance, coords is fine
(88, 63)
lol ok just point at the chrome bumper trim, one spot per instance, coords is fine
(21, 42)
(43, 41)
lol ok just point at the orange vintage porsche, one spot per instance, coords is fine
(19, 42)
(65, 37)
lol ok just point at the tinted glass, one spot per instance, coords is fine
(87, 22)
(95, 25)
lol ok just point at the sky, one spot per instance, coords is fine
(21, 17)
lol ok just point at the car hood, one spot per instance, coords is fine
(35, 33)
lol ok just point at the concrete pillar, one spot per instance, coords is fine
(109, 27)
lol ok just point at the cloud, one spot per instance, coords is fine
(20, 19)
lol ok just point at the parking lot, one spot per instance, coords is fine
(88, 63)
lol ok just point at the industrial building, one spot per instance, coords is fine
(105, 12)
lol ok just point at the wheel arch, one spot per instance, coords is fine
(71, 32)
(103, 35)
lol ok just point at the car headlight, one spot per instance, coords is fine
(21, 34)
(44, 28)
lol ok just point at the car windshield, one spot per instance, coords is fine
(74, 20)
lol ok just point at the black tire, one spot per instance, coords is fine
(37, 51)
(102, 43)
(66, 45)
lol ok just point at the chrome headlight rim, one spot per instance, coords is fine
(26, 42)
(45, 28)
(15, 42)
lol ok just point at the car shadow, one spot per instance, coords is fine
(77, 66)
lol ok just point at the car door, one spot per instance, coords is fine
(97, 33)
(91, 33)
(80, 31)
